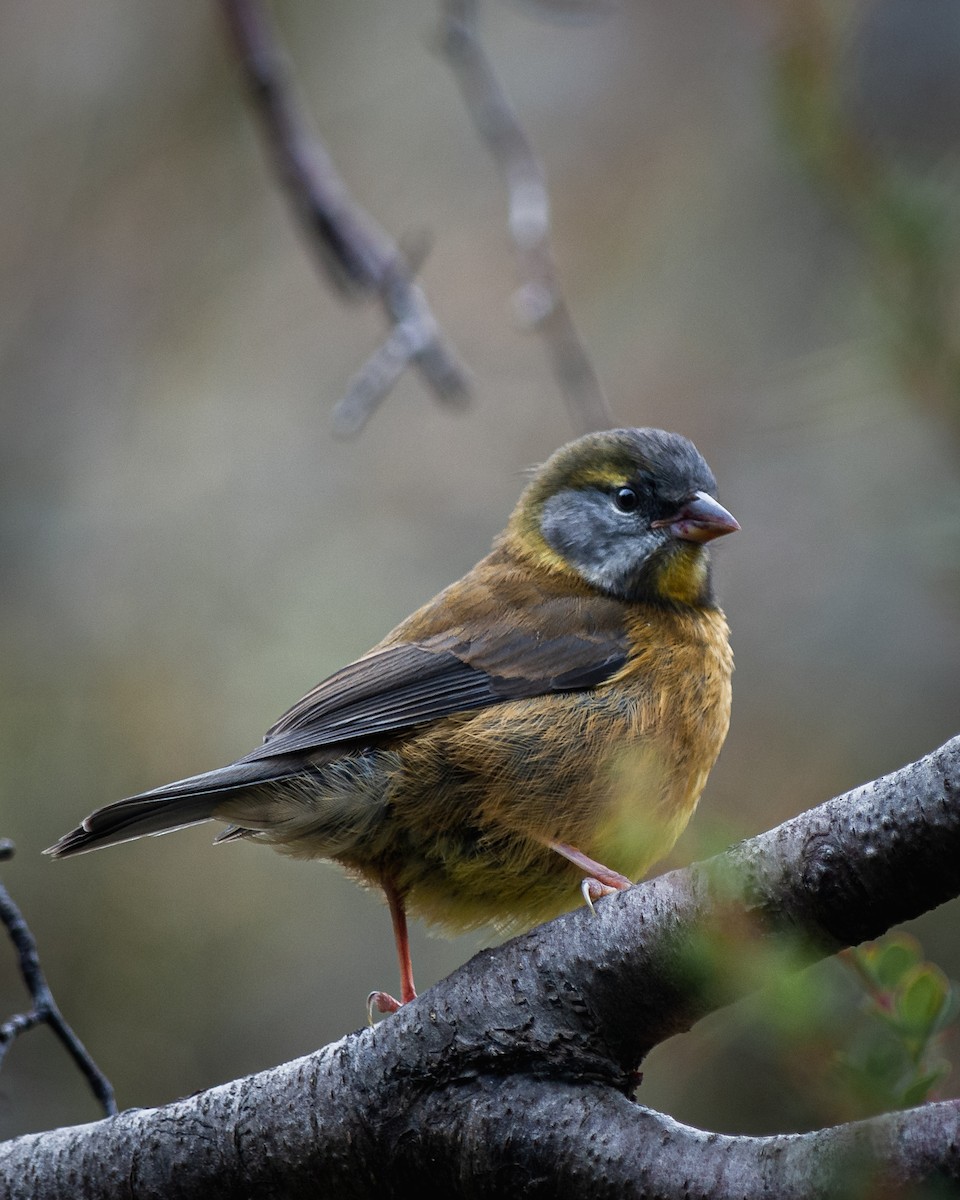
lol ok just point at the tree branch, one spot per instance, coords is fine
(44, 1010)
(539, 300)
(354, 253)
(526, 1055)
(523, 1138)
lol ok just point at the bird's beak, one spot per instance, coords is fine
(699, 519)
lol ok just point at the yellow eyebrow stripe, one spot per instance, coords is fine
(599, 477)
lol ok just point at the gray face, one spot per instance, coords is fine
(608, 547)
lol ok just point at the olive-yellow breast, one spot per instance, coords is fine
(541, 728)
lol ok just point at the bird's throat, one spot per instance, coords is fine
(680, 575)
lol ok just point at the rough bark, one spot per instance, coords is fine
(514, 1075)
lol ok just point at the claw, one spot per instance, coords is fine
(592, 889)
(600, 880)
(383, 1003)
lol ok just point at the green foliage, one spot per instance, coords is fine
(894, 1054)
(846, 1039)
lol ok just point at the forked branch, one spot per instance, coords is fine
(539, 301)
(43, 1010)
(355, 254)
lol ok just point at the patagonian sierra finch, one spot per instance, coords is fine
(540, 729)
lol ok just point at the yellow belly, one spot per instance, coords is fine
(459, 814)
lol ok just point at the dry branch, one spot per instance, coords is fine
(539, 301)
(354, 253)
(44, 1009)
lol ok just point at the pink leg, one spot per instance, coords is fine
(600, 880)
(383, 1002)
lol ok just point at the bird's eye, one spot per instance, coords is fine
(626, 499)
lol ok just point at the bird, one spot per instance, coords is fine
(537, 734)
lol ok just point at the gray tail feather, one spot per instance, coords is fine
(174, 806)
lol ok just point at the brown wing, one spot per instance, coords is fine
(498, 634)
(501, 633)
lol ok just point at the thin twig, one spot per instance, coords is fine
(44, 1010)
(355, 254)
(539, 300)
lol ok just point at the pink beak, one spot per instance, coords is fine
(699, 519)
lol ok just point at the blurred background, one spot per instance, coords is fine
(756, 220)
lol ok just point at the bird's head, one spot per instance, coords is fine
(628, 511)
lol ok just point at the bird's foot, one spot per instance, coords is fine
(592, 889)
(383, 1003)
(600, 880)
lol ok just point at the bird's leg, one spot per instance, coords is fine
(600, 880)
(383, 1002)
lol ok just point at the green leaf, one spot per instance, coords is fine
(889, 960)
(918, 1091)
(923, 997)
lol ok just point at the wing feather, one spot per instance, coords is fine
(498, 634)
